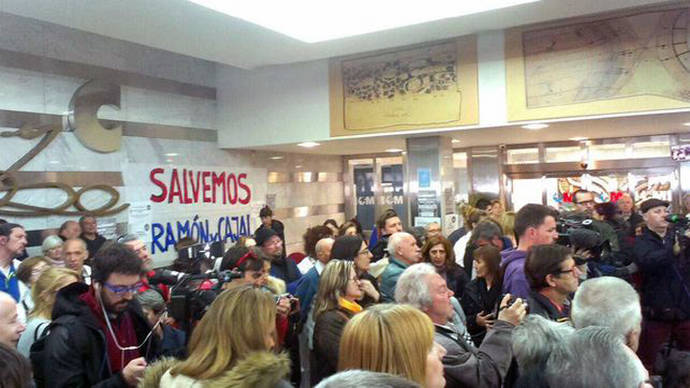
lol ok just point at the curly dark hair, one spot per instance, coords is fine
(312, 236)
(115, 258)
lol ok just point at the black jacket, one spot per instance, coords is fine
(74, 354)
(541, 305)
(456, 279)
(379, 250)
(665, 278)
(476, 299)
(327, 332)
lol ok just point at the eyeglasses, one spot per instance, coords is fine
(363, 252)
(121, 290)
(571, 271)
(355, 279)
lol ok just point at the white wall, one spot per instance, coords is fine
(274, 105)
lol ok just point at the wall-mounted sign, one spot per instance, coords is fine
(420, 87)
(680, 152)
(207, 203)
(631, 62)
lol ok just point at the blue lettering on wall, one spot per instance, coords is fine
(165, 236)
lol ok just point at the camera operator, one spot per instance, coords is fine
(99, 335)
(584, 209)
(661, 253)
(255, 268)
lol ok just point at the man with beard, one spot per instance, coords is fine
(272, 245)
(99, 335)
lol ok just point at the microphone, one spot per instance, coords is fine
(676, 219)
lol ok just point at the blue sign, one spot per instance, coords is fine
(424, 177)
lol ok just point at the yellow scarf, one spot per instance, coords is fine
(352, 307)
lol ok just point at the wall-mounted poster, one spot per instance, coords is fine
(627, 63)
(428, 86)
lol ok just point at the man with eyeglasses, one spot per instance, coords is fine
(662, 253)
(553, 276)
(99, 335)
(584, 207)
(271, 244)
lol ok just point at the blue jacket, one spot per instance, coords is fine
(389, 279)
(306, 290)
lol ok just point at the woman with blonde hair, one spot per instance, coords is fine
(334, 305)
(43, 295)
(230, 347)
(396, 339)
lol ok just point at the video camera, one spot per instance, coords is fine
(188, 302)
(578, 234)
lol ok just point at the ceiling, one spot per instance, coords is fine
(636, 125)
(187, 28)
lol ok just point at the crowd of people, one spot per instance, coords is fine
(511, 299)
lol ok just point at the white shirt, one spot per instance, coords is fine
(319, 267)
(459, 249)
(305, 265)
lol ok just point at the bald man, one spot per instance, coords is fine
(10, 326)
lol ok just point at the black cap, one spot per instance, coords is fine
(652, 203)
(263, 234)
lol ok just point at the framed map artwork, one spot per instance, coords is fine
(422, 87)
(626, 63)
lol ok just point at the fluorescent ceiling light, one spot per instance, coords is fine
(308, 144)
(277, 157)
(535, 126)
(455, 141)
(687, 124)
(171, 154)
(317, 20)
(579, 138)
(393, 150)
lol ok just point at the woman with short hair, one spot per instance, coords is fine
(52, 250)
(43, 294)
(230, 347)
(335, 304)
(395, 339)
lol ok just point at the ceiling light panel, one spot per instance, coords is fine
(314, 21)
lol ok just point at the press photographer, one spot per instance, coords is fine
(661, 253)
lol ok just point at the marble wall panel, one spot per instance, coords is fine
(306, 194)
(36, 37)
(31, 91)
